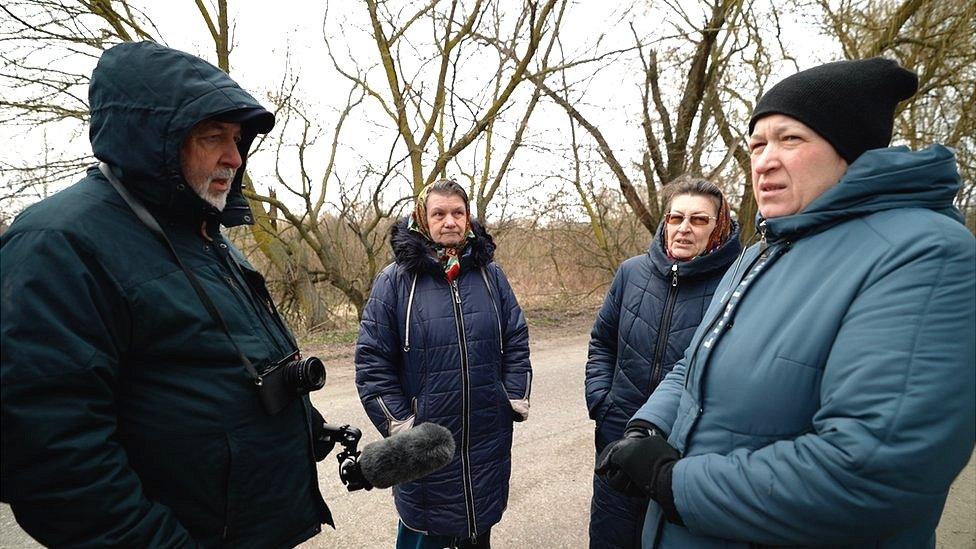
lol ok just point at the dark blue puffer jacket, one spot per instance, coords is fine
(646, 322)
(647, 319)
(453, 354)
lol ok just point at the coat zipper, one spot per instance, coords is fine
(386, 411)
(734, 287)
(769, 258)
(465, 411)
(237, 281)
(406, 328)
(326, 515)
(663, 328)
(268, 303)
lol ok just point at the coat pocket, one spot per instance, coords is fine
(778, 399)
(189, 473)
(609, 425)
(393, 423)
(503, 404)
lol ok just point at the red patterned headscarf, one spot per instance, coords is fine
(723, 227)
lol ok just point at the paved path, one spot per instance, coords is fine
(552, 460)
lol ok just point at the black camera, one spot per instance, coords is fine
(290, 377)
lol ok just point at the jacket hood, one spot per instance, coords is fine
(144, 99)
(703, 265)
(880, 179)
(412, 252)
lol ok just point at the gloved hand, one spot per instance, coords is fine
(609, 470)
(321, 445)
(640, 464)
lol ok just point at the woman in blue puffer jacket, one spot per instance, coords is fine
(443, 340)
(653, 307)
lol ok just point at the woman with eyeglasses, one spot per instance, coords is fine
(655, 302)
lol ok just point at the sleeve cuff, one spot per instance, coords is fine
(520, 409)
(665, 495)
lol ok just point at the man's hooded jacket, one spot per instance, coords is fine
(455, 354)
(128, 418)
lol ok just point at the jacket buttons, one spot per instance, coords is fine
(180, 187)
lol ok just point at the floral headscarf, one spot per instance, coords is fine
(723, 228)
(449, 257)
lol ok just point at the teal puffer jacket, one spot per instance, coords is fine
(128, 418)
(832, 403)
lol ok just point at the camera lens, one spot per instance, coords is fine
(305, 375)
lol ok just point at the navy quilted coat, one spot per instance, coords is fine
(646, 322)
(454, 354)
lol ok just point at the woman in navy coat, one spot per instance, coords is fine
(443, 340)
(654, 304)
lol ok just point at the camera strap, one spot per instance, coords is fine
(149, 221)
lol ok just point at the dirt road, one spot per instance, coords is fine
(552, 460)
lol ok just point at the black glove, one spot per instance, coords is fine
(321, 445)
(608, 469)
(640, 464)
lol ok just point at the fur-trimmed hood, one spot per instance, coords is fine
(412, 252)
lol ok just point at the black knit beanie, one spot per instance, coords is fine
(851, 104)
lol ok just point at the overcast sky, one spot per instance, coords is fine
(265, 32)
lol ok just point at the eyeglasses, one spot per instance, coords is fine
(698, 220)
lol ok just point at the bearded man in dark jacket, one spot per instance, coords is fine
(129, 416)
(443, 340)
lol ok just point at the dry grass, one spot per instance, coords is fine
(556, 271)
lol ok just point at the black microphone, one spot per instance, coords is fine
(407, 456)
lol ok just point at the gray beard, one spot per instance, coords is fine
(216, 199)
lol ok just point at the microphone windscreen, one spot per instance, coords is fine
(407, 456)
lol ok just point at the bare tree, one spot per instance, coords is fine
(935, 39)
(430, 121)
(416, 80)
(689, 101)
(38, 35)
(346, 235)
(39, 91)
(327, 227)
